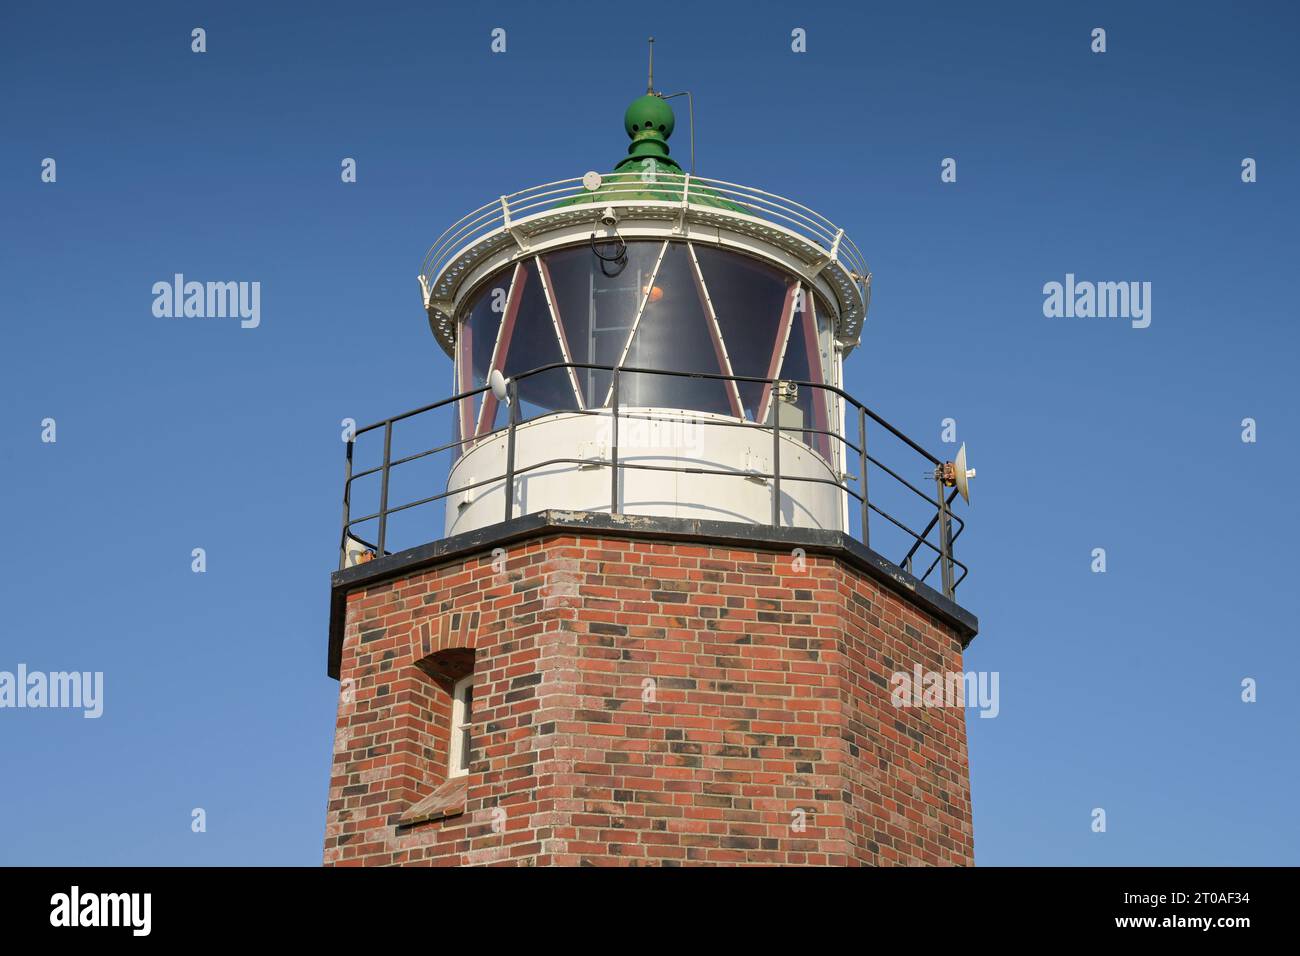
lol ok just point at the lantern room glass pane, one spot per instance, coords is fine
(799, 364)
(748, 297)
(597, 301)
(673, 335)
(533, 344)
(480, 327)
(483, 324)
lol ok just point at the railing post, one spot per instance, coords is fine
(383, 488)
(945, 537)
(613, 448)
(347, 507)
(512, 416)
(775, 404)
(862, 480)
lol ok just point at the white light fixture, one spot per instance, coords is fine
(497, 382)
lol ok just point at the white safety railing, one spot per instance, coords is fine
(669, 189)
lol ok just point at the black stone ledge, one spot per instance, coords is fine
(759, 537)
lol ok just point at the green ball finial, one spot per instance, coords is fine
(649, 121)
(649, 117)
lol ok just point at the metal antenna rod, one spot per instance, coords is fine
(690, 101)
(650, 83)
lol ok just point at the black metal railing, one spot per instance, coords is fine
(938, 504)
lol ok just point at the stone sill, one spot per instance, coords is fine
(448, 800)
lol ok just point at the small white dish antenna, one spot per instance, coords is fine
(591, 181)
(497, 382)
(962, 475)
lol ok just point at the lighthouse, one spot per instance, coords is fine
(647, 607)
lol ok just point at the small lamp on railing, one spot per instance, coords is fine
(499, 385)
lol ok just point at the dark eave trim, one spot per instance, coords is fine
(759, 537)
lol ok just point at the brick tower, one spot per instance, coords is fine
(655, 624)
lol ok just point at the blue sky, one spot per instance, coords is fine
(1118, 690)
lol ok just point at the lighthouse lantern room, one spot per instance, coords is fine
(651, 342)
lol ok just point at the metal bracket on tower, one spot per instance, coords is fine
(680, 228)
(432, 305)
(510, 227)
(832, 256)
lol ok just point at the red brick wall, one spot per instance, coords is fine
(765, 733)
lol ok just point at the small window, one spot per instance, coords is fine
(461, 707)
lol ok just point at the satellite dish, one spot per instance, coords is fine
(591, 181)
(497, 382)
(962, 475)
